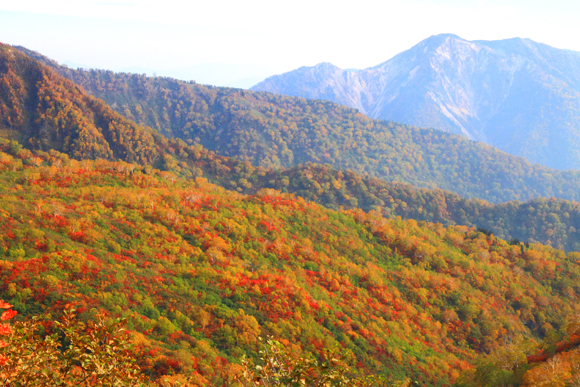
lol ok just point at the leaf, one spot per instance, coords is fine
(7, 315)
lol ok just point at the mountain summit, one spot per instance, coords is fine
(518, 95)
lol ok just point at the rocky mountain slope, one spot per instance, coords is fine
(517, 95)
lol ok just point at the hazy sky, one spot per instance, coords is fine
(257, 38)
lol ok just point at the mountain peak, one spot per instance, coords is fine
(450, 41)
(438, 39)
(326, 65)
(515, 94)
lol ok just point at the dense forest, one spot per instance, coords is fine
(276, 131)
(546, 220)
(201, 272)
(201, 255)
(46, 111)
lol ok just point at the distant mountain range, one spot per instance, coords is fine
(520, 96)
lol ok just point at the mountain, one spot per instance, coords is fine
(199, 114)
(46, 111)
(549, 221)
(276, 131)
(201, 272)
(520, 96)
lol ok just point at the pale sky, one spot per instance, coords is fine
(224, 41)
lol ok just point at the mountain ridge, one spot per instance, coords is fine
(515, 94)
(275, 131)
(201, 272)
(228, 113)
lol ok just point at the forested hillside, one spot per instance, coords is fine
(46, 111)
(202, 272)
(547, 220)
(275, 131)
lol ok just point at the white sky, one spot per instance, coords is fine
(264, 37)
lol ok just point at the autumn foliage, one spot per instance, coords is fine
(275, 131)
(200, 273)
(99, 212)
(47, 111)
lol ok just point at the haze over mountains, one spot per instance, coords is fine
(241, 76)
(520, 96)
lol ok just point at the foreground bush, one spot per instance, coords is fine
(281, 368)
(70, 353)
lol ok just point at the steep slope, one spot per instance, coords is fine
(181, 108)
(517, 95)
(47, 111)
(274, 131)
(201, 272)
